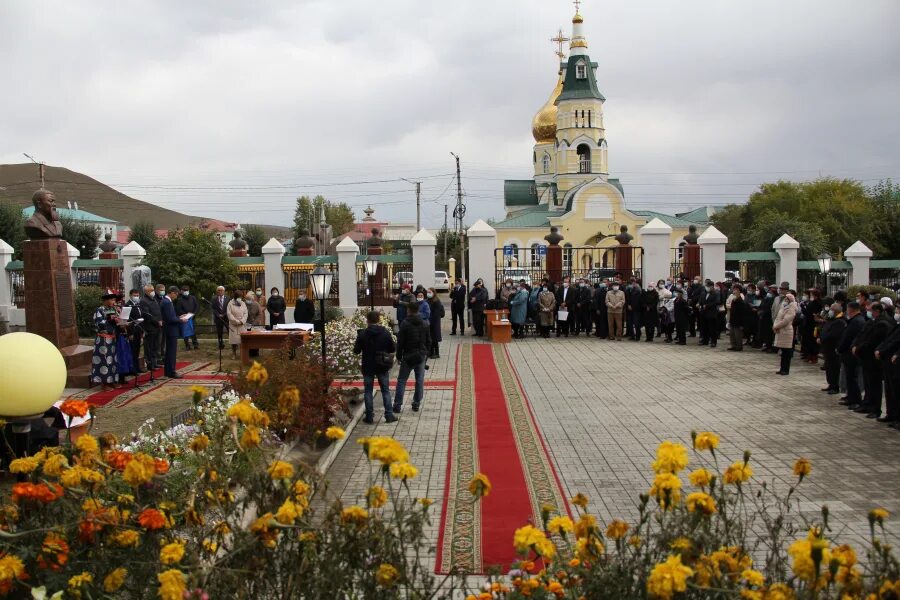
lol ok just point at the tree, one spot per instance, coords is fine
(885, 196)
(255, 236)
(144, 233)
(308, 213)
(12, 225)
(81, 235)
(771, 225)
(192, 257)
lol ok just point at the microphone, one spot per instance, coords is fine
(202, 299)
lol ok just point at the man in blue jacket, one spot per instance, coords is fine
(171, 331)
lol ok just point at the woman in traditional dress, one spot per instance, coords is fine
(104, 366)
(124, 358)
(237, 321)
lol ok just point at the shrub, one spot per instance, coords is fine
(875, 291)
(87, 299)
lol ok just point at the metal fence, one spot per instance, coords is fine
(593, 264)
(752, 271)
(387, 281)
(687, 262)
(296, 278)
(16, 279)
(885, 276)
(252, 276)
(837, 279)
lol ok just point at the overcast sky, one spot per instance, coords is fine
(231, 108)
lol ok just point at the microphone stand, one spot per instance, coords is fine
(137, 376)
(208, 303)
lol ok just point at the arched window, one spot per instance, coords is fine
(514, 258)
(580, 70)
(535, 255)
(584, 158)
(567, 258)
(546, 161)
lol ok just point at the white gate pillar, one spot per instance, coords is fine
(482, 244)
(713, 242)
(347, 290)
(860, 257)
(655, 238)
(788, 250)
(273, 275)
(423, 246)
(132, 256)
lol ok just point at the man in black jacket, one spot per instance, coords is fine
(135, 329)
(478, 298)
(875, 332)
(829, 338)
(738, 318)
(565, 302)
(184, 304)
(153, 323)
(220, 316)
(888, 352)
(413, 343)
(372, 342)
(304, 309)
(582, 308)
(855, 324)
(458, 306)
(766, 335)
(709, 310)
(683, 318)
(695, 295)
(634, 307)
(598, 307)
(650, 312)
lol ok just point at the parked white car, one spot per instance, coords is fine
(517, 275)
(441, 281)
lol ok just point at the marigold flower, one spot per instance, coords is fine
(126, 538)
(172, 584)
(354, 514)
(74, 408)
(87, 444)
(54, 552)
(288, 512)
(334, 433)
(403, 471)
(210, 546)
(386, 450)
(118, 459)
(802, 468)
(77, 581)
(114, 580)
(580, 500)
(289, 398)
(152, 519)
(700, 477)
(737, 473)
(55, 465)
(700, 502)
(706, 440)
(139, 470)
(671, 457)
(878, 515)
(257, 374)
(480, 485)
(11, 569)
(617, 529)
(808, 555)
(171, 553)
(426, 502)
(246, 413)
(376, 497)
(668, 577)
(250, 438)
(24, 466)
(36, 492)
(160, 466)
(301, 489)
(754, 578)
(666, 489)
(779, 591)
(530, 538)
(586, 526)
(386, 575)
(682, 544)
(281, 470)
(560, 525)
(199, 392)
(199, 443)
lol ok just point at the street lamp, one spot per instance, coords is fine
(321, 285)
(371, 269)
(824, 261)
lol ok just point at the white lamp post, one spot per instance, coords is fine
(321, 285)
(371, 270)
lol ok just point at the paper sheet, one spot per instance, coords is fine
(562, 315)
(124, 313)
(295, 326)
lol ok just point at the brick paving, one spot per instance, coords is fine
(603, 407)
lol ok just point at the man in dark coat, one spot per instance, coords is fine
(153, 323)
(172, 331)
(135, 328)
(187, 303)
(598, 307)
(565, 301)
(371, 341)
(634, 307)
(413, 343)
(709, 310)
(888, 352)
(304, 309)
(220, 316)
(855, 324)
(875, 332)
(829, 338)
(650, 312)
(695, 295)
(766, 334)
(276, 307)
(583, 308)
(458, 306)
(683, 318)
(738, 318)
(478, 298)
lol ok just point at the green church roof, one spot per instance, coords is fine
(520, 192)
(535, 216)
(667, 219)
(577, 89)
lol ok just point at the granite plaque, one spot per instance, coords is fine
(64, 300)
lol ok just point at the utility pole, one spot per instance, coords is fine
(40, 168)
(458, 213)
(446, 233)
(418, 185)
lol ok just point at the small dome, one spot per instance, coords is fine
(543, 126)
(577, 18)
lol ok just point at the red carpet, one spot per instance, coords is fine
(436, 384)
(492, 432)
(191, 373)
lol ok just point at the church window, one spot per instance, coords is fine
(580, 71)
(584, 158)
(514, 258)
(567, 258)
(535, 255)
(546, 161)
(589, 118)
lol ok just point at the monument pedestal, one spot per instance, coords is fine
(50, 304)
(554, 263)
(690, 261)
(624, 260)
(110, 276)
(304, 252)
(238, 253)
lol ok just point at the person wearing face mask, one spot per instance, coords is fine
(458, 306)
(187, 304)
(667, 313)
(518, 311)
(135, 329)
(161, 336)
(809, 349)
(615, 308)
(220, 315)
(598, 308)
(583, 308)
(695, 295)
(565, 301)
(237, 321)
(873, 334)
(682, 310)
(829, 337)
(533, 294)
(751, 329)
(849, 363)
(505, 292)
(546, 310)
(424, 308)
(276, 307)
(888, 352)
(738, 316)
(709, 310)
(478, 298)
(650, 312)
(784, 332)
(304, 309)
(152, 326)
(766, 336)
(436, 313)
(262, 301)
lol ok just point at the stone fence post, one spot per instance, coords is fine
(132, 256)
(73, 256)
(6, 292)
(273, 275)
(482, 244)
(347, 282)
(860, 257)
(713, 242)
(423, 246)
(654, 237)
(788, 250)
(451, 270)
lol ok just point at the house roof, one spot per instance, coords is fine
(535, 216)
(520, 192)
(218, 226)
(71, 213)
(669, 220)
(576, 89)
(701, 215)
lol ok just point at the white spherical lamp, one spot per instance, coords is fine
(32, 375)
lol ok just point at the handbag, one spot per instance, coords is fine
(384, 360)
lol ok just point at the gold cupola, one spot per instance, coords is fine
(543, 126)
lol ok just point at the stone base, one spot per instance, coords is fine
(624, 260)
(49, 300)
(238, 253)
(78, 365)
(554, 263)
(303, 252)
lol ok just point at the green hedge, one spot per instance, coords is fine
(87, 299)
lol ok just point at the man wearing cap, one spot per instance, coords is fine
(171, 331)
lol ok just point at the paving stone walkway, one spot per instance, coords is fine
(603, 407)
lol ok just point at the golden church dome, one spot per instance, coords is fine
(543, 126)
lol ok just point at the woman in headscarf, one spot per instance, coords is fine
(784, 332)
(104, 365)
(436, 313)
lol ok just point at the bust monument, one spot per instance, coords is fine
(237, 243)
(692, 236)
(376, 241)
(624, 238)
(107, 245)
(303, 243)
(554, 237)
(44, 223)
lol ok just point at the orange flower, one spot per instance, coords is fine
(54, 552)
(39, 492)
(75, 408)
(151, 519)
(161, 466)
(118, 459)
(88, 529)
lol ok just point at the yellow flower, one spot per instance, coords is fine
(87, 444)
(706, 440)
(480, 485)
(560, 525)
(199, 443)
(737, 473)
(24, 465)
(114, 580)
(616, 529)
(809, 555)
(878, 515)
(139, 470)
(700, 477)
(754, 578)
(668, 577)
(671, 457)
(530, 538)
(779, 591)
(580, 500)
(250, 438)
(199, 392)
(281, 470)
(289, 398)
(386, 450)
(55, 465)
(77, 581)
(376, 497)
(387, 575)
(77, 475)
(288, 512)
(682, 544)
(354, 514)
(403, 471)
(127, 538)
(301, 489)
(257, 374)
(426, 502)
(589, 548)
(802, 468)
(666, 489)
(248, 414)
(172, 584)
(702, 502)
(334, 433)
(210, 546)
(586, 526)
(172, 553)
(11, 568)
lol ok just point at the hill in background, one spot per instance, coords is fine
(22, 180)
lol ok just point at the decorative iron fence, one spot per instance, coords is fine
(296, 278)
(885, 273)
(751, 267)
(687, 262)
(592, 264)
(252, 276)
(837, 279)
(16, 279)
(389, 276)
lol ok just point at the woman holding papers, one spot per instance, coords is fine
(104, 364)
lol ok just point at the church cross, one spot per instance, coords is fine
(577, 4)
(559, 40)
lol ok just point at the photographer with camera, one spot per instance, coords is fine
(377, 348)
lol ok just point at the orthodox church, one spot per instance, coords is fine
(572, 188)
